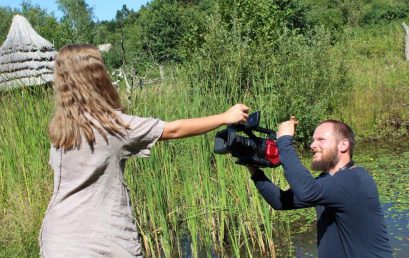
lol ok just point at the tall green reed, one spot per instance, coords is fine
(26, 181)
(205, 198)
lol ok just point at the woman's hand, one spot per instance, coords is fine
(238, 113)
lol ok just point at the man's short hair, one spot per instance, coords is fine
(343, 131)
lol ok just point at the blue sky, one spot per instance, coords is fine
(103, 9)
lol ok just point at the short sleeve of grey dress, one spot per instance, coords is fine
(89, 214)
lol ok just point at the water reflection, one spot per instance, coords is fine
(398, 229)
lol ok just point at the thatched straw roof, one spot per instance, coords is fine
(26, 58)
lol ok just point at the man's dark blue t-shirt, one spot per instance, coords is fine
(350, 220)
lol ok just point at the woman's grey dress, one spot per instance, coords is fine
(90, 214)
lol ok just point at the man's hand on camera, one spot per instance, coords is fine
(287, 127)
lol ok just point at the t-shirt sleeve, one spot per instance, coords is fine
(141, 135)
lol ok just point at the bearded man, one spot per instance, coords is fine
(350, 221)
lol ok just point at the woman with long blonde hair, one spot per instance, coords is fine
(89, 213)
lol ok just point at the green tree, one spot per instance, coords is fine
(44, 23)
(262, 21)
(121, 17)
(6, 14)
(105, 32)
(172, 29)
(77, 21)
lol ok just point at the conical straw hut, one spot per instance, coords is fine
(26, 58)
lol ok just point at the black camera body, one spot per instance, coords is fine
(252, 150)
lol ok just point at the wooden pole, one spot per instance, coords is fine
(406, 40)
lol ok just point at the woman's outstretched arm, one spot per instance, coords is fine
(195, 126)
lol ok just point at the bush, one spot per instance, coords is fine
(385, 11)
(309, 80)
(298, 76)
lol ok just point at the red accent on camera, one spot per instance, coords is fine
(272, 152)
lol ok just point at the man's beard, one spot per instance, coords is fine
(328, 161)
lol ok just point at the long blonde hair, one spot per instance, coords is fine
(83, 94)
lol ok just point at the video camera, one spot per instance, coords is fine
(252, 150)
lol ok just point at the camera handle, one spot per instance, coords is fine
(271, 134)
